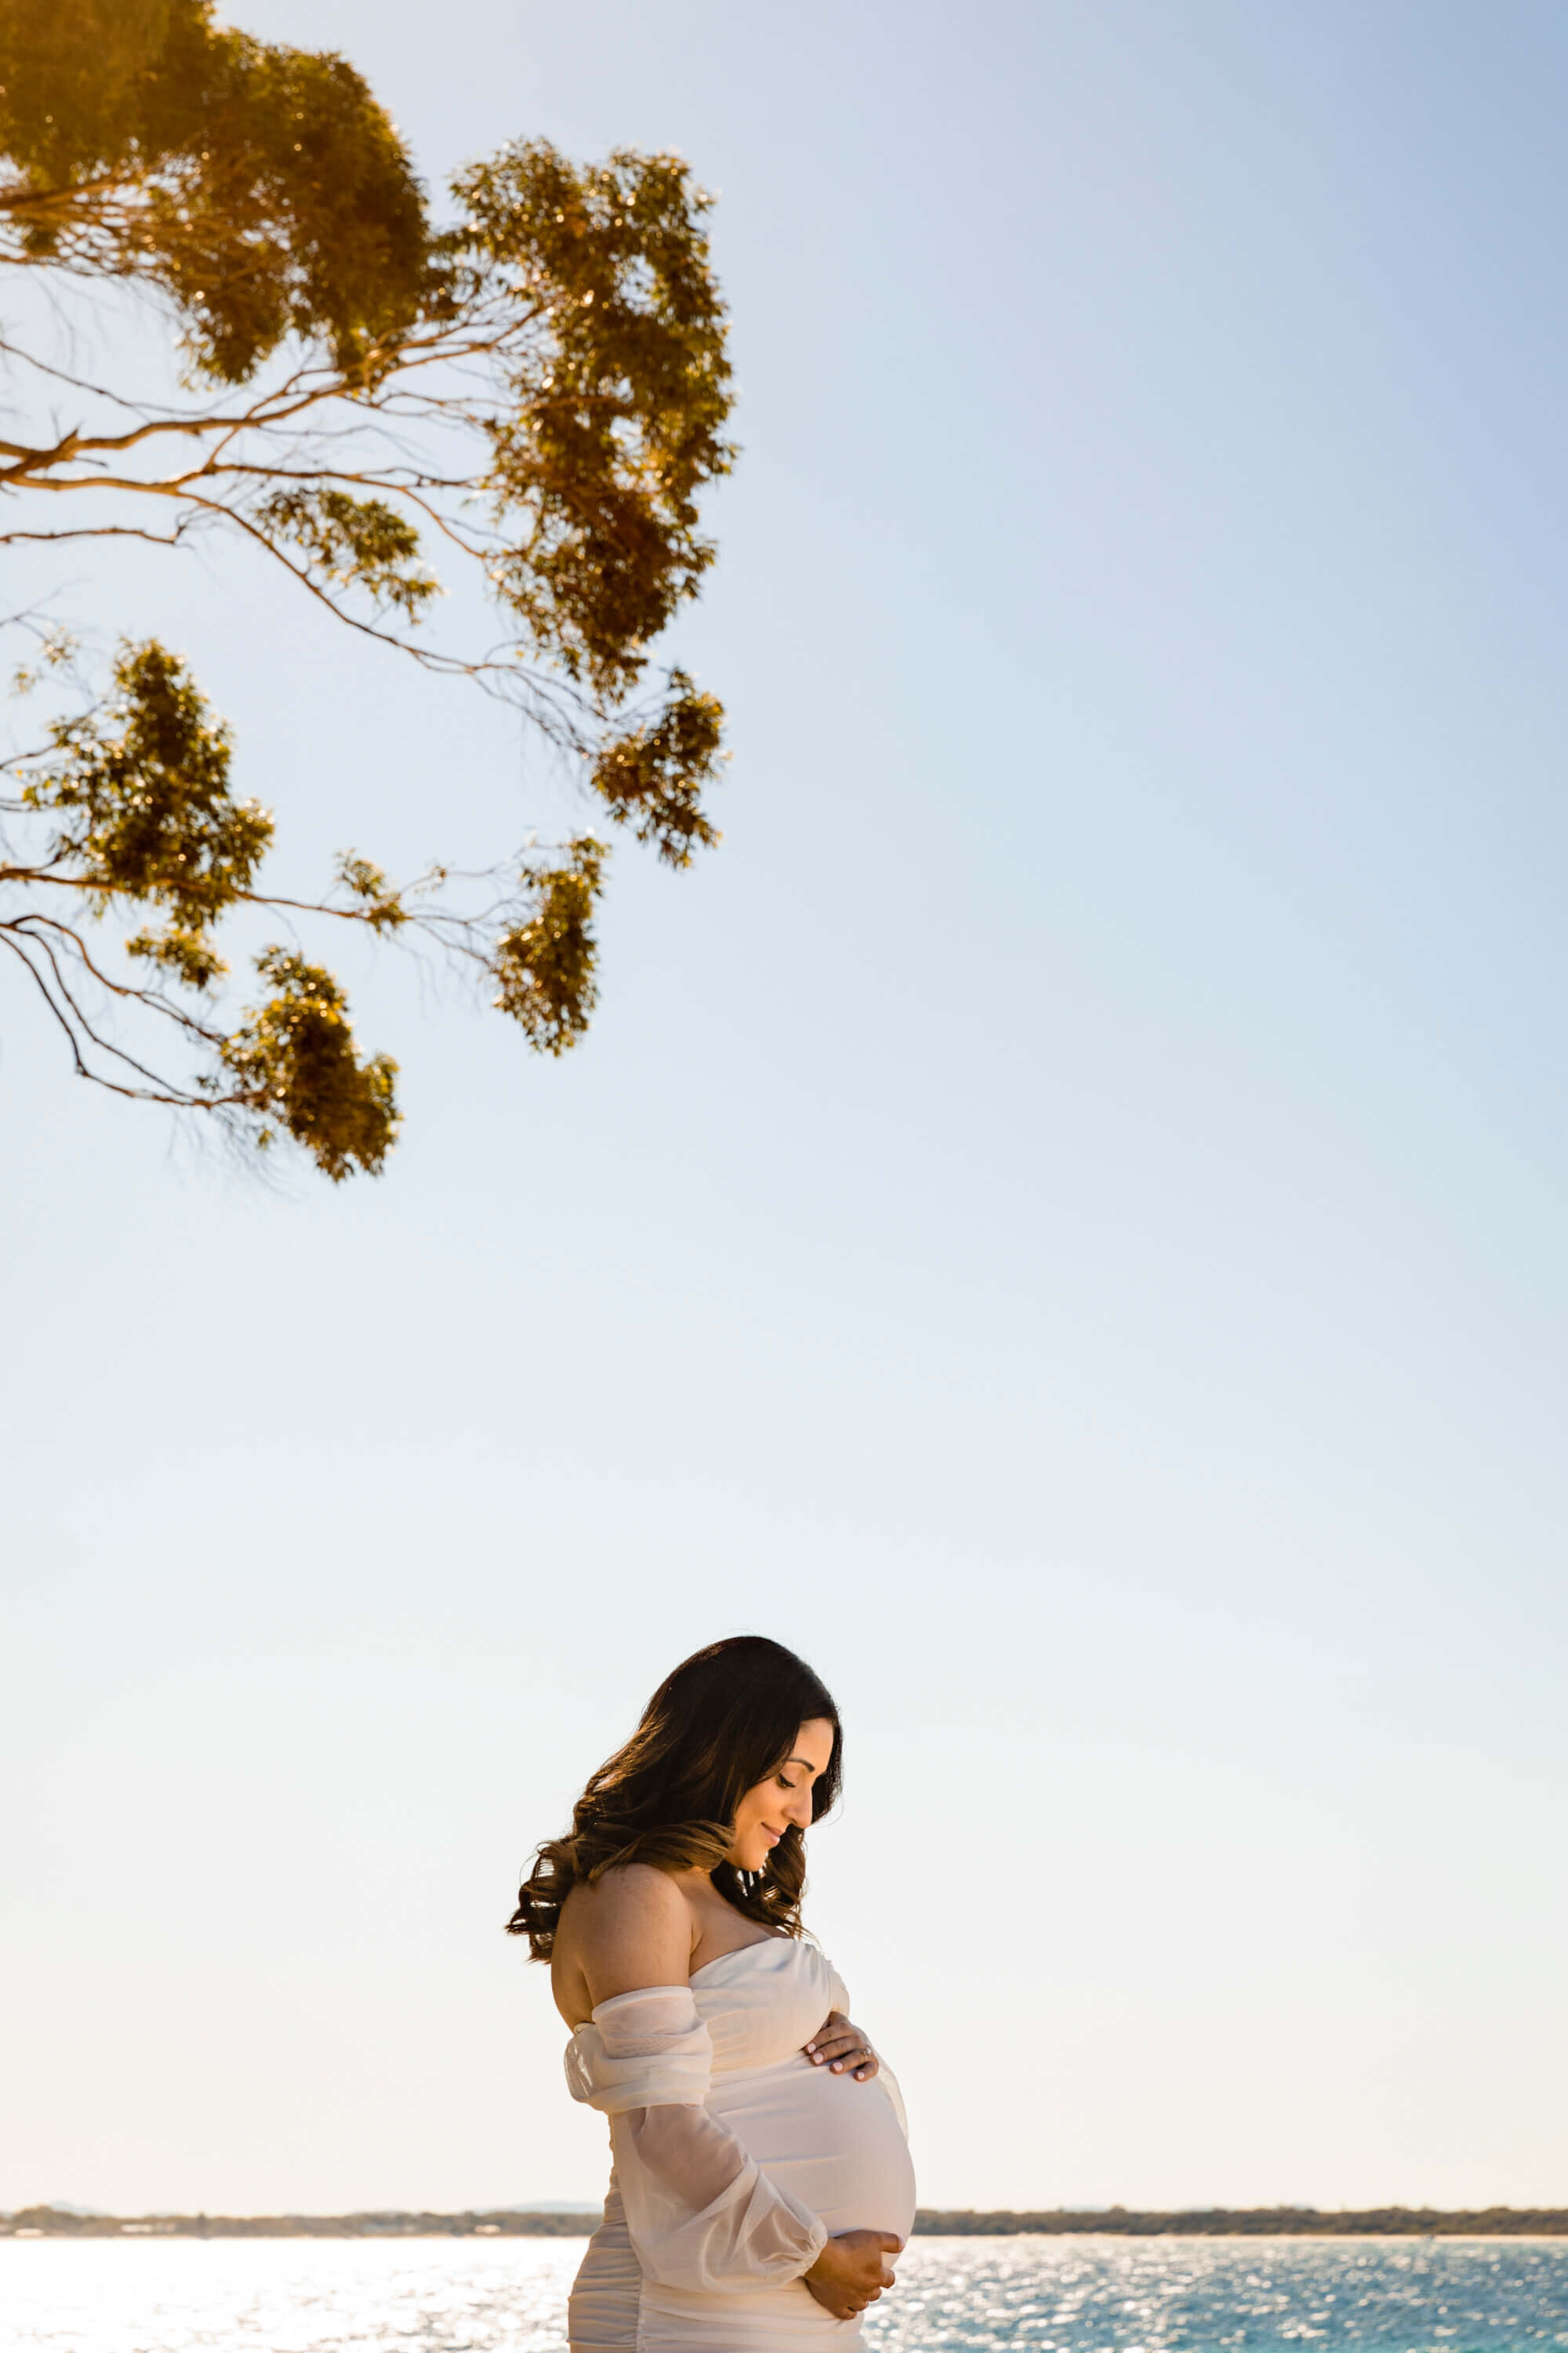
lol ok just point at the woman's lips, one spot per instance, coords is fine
(772, 1837)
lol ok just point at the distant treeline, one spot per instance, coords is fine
(48, 2223)
(1260, 2223)
(1212, 2222)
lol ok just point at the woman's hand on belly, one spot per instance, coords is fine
(852, 2271)
(838, 2043)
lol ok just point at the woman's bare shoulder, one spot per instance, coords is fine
(628, 1892)
(632, 1927)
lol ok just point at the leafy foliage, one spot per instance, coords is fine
(535, 388)
(294, 1059)
(143, 789)
(352, 543)
(136, 798)
(545, 965)
(262, 188)
(652, 776)
(617, 413)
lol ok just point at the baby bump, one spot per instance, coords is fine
(835, 2144)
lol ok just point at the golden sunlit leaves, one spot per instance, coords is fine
(544, 967)
(143, 790)
(617, 412)
(294, 1060)
(375, 900)
(261, 187)
(353, 543)
(652, 776)
(535, 390)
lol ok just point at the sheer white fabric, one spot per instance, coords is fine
(702, 2215)
(733, 2156)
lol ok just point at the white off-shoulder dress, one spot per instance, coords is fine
(734, 2159)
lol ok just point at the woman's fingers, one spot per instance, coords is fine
(833, 2049)
(851, 2272)
(857, 2059)
(840, 2046)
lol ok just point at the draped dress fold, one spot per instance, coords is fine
(734, 2159)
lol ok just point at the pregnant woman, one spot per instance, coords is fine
(761, 2180)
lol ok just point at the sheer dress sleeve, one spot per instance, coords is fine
(701, 2211)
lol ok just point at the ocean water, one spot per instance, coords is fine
(1051, 2295)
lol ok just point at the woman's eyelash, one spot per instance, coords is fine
(787, 1785)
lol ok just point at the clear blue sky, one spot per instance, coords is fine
(1062, 1218)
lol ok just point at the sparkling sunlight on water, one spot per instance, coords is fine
(1051, 2295)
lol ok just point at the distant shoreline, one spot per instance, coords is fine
(1206, 2222)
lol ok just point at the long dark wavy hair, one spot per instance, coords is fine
(724, 1721)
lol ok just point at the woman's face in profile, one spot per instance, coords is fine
(765, 1812)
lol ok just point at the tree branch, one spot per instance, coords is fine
(77, 1026)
